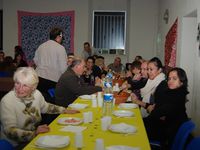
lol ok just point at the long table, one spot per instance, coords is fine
(93, 131)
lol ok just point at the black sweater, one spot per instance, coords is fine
(70, 86)
(170, 103)
(169, 113)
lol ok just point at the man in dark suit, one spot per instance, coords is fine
(70, 85)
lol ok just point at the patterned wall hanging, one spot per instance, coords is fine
(171, 45)
(34, 28)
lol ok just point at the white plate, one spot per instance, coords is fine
(128, 105)
(78, 106)
(121, 147)
(122, 128)
(69, 121)
(123, 113)
(52, 141)
(86, 97)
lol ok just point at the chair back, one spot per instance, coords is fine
(51, 92)
(5, 145)
(194, 144)
(181, 136)
(4, 74)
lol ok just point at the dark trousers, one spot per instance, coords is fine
(43, 87)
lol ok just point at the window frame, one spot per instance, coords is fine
(110, 50)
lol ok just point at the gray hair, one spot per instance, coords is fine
(27, 76)
(76, 61)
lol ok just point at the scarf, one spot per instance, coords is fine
(149, 90)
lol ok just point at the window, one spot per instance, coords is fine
(109, 31)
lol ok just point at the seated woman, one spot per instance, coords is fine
(155, 77)
(21, 109)
(88, 75)
(139, 81)
(137, 78)
(19, 61)
(169, 111)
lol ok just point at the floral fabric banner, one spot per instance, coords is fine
(34, 28)
(170, 46)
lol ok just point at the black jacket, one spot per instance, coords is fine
(170, 103)
(169, 113)
(137, 85)
(70, 86)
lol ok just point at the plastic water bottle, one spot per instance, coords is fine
(108, 95)
(109, 74)
(108, 85)
(107, 104)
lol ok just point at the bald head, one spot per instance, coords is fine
(78, 65)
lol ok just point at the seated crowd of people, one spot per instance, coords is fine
(158, 94)
(8, 65)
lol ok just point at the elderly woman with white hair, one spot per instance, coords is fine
(21, 108)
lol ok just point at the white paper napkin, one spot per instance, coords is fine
(122, 128)
(78, 106)
(86, 97)
(73, 128)
(121, 147)
(123, 113)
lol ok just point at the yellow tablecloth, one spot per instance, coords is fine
(93, 131)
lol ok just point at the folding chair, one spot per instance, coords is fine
(5, 145)
(181, 136)
(194, 144)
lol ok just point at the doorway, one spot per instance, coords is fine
(189, 61)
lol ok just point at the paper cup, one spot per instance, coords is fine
(99, 145)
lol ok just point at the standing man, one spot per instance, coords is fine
(50, 60)
(70, 85)
(88, 51)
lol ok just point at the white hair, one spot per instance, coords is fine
(27, 76)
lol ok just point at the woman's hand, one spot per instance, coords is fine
(125, 86)
(98, 81)
(150, 108)
(135, 100)
(137, 77)
(71, 111)
(129, 74)
(42, 129)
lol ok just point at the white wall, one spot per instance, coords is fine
(140, 38)
(187, 53)
(143, 28)
(1, 4)
(10, 38)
